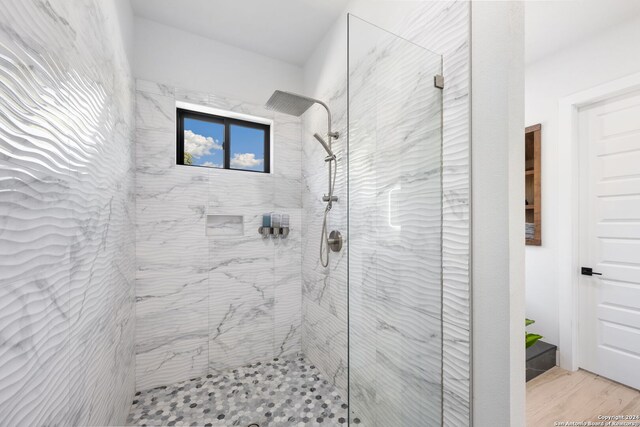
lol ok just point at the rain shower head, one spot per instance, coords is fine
(290, 103)
(324, 144)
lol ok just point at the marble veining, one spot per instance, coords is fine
(211, 293)
(66, 215)
(395, 229)
(372, 185)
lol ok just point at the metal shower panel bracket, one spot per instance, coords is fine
(438, 81)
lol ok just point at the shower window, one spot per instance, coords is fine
(212, 141)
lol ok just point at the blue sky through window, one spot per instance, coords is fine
(204, 140)
(247, 148)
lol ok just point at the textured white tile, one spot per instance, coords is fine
(67, 239)
(393, 271)
(456, 376)
(34, 351)
(38, 227)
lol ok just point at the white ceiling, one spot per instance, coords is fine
(289, 30)
(283, 29)
(551, 26)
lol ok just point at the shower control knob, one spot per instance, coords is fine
(335, 241)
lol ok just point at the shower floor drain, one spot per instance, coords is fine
(254, 425)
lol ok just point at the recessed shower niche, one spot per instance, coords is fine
(225, 225)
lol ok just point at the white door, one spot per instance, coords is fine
(609, 304)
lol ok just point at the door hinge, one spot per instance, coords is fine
(438, 81)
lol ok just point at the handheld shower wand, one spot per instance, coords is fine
(324, 144)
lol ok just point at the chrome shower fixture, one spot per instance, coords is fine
(290, 103)
(326, 147)
(296, 105)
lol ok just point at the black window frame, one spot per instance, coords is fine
(227, 122)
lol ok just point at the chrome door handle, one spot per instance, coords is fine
(588, 271)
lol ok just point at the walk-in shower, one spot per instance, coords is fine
(133, 287)
(296, 105)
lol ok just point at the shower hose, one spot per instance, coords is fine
(324, 237)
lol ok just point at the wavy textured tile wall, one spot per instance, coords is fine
(66, 209)
(395, 228)
(443, 27)
(208, 303)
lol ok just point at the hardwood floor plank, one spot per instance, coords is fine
(559, 395)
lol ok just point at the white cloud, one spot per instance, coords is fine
(245, 160)
(212, 165)
(199, 145)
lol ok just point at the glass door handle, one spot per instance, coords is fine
(588, 271)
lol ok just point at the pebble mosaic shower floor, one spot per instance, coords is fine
(278, 393)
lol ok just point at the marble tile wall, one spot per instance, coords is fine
(443, 27)
(324, 290)
(66, 215)
(208, 303)
(394, 229)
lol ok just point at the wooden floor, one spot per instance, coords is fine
(559, 395)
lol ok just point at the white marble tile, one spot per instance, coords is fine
(178, 185)
(171, 302)
(287, 193)
(324, 338)
(241, 189)
(183, 357)
(241, 303)
(154, 88)
(245, 319)
(456, 375)
(396, 266)
(67, 151)
(288, 289)
(34, 351)
(238, 106)
(155, 149)
(170, 235)
(38, 226)
(155, 112)
(191, 96)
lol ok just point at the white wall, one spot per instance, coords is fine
(497, 58)
(124, 20)
(605, 57)
(177, 58)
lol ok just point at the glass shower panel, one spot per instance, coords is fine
(395, 230)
